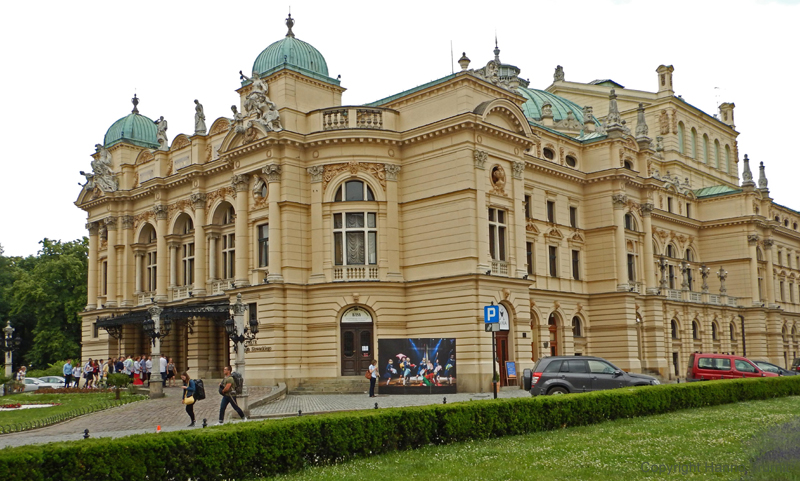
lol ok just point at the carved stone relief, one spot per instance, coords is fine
(377, 171)
(480, 157)
(498, 180)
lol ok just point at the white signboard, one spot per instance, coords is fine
(356, 314)
(504, 324)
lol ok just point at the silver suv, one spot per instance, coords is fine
(568, 374)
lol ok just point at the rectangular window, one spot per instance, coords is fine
(688, 210)
(528, 207)
(669, 204)
(228, 256)
(263, 245)
(188, 264)
(573, 216)
(671, 270)
(151, 271)
(529, 256)
(551, 211)
(105, 278)
(252, 312)
(576, 265)
(95, 330)
(782, 298)
(355, 238)
(791, 293)
(497, 234)
(553, 257)
(631, 267)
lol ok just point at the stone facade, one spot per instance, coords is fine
(425, 206)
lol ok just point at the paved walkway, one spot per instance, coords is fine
(143, 417)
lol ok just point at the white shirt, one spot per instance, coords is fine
(162, 363)
(149, 365)
(373, 370)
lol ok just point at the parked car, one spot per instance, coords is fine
(796, 364)
(706, 367)
(34, 383)
(769, 367)
(53, 380)
(569, 374)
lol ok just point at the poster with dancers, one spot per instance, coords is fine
(417, 366)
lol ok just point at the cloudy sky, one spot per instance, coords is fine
(71, 68)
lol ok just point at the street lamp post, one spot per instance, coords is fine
(10, 344)
(238, 333)
(156, 331)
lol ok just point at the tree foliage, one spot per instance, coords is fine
(42, 296)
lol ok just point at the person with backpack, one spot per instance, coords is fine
(189, 391)
(228, 388)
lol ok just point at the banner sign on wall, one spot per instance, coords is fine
(417, 366)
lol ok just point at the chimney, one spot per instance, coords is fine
(665, 81)
(726, 113)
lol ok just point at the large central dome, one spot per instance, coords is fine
(291, 51)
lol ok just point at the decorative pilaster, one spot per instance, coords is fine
(111, 278)
(91, 295)
(162, 255)
(273, 172)
(620, 201)
(200, 257)
(391, 171)
(317, 231)
(769, 275)
(241, 183)
(392, 223)
(126, 221)
(649, 268)
(752, 242)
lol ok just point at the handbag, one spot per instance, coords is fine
(368, 374)
(188, 400)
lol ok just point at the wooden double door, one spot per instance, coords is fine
(357, 349)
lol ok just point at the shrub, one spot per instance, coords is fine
(243, 451)
(118, 381)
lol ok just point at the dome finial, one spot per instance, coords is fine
(135, 102)
(290, 24)
(496, 50)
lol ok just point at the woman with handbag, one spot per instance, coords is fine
(188, 395)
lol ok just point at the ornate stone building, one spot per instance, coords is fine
(607, 221)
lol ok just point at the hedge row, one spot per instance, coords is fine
(259, 449)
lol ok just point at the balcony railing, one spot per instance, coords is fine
(695, 297)
(143, 298)
(733, 301)
(674, 294)
(713, 299)
(369, 119)
(181, 292)
(219, 287)
(355, 273)
(355, 118)
(499, 268)
(334, 119)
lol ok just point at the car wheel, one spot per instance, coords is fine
(557, 391)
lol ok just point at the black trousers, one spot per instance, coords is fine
(224, 405)
(372, 381)
(190, 411)
(67, 380)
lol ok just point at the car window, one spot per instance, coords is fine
(768, 367)
(718, 363)
(553, 366)
(743, 366)
(601, 367)
(30, 381)
(574, 366)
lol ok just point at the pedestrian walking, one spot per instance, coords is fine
(189, 388)
(162, 368)
(227, 388)
(76, 374)
(67, 372)
(171, 372)
(373, 377)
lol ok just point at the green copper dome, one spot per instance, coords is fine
(537, 98)
(291, 51)
(134, 129)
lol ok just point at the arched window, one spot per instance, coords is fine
(728, 159)
(571, 161)
(716, 154)
(706, 157)
(630, 222)
(353, 190)
(670, 251)
(694, 143)
(674, 327)
(223, 249)
(229, 216)
(681, 139)
(628, 165)
(695, 330)
(184, 227)
(576, 327)
(149, 274)
(733, 331)
(783, 334)
(714, 331)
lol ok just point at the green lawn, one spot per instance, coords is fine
(731, 434)
(70, 403)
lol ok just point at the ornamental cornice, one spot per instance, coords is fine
(93, 228)
(685, 221)
(377, 171)
(553, 170)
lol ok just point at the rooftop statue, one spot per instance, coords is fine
(258, 104)
(237, 124)
(199, 119)
(101, 177)
(161, 135)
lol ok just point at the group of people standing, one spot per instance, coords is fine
(95, 372)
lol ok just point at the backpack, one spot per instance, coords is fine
(239, 383)
(199, 390)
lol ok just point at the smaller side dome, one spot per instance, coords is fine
(560, 106)
(134, 129)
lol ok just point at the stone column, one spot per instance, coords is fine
(240, 183)
(111, 273)
(273, 172)
(200, 257)
(752, 241)
(619, 201)
(127, 257)
(91, 295)
(239, 308)
(317, 231)
(769, 275)
(392, 223)
(649, 259)
(162, 257)
(174, 254)
(138, 255)
(518, 191)
(479, 158)
(212, 255)
(156, 386)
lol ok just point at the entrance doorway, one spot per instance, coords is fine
(552, 326)
(356, 341)
(501, 340)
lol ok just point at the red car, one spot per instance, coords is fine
(705, 367)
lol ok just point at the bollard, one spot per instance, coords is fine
(679, 380)
(85, 434)
(158, 428)
(376, 405)
(299, 412)
(205, 422)
(445, 401)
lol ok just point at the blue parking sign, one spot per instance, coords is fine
(491, 314)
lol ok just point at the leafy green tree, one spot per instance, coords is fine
(47, 294)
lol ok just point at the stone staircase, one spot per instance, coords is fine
(340, 385)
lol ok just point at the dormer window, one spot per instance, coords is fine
(549, 154)
(571, 161)
(353, 191)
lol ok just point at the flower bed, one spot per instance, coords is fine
(10, 406)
